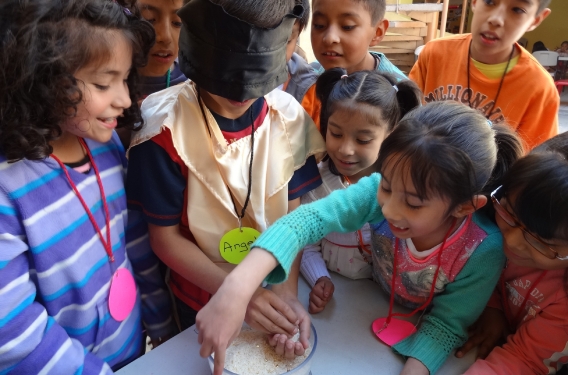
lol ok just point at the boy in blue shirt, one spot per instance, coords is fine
(342, 32)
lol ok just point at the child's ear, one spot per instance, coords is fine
(538, 19)
(380, 32)
(467, 208)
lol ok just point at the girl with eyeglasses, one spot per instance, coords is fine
(528, 312)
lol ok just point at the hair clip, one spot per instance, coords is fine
(126, 11)
(395, 87)
(344, 76)
(489, 123)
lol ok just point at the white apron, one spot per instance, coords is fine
(218, 170)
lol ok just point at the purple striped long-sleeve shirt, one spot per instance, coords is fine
(55, 274)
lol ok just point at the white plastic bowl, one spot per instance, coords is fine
(303, 369)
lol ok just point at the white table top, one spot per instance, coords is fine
(346, 344)
(563, 58)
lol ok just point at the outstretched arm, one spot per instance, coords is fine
(342, 211)
(346, 210)
(219, 322)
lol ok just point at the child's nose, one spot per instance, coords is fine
(497, 16)
(515, 240)
(163, 32)
(122, 97)
(331, 35)
(346, 148)
(389, 210)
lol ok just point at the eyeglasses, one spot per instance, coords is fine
(541, 247)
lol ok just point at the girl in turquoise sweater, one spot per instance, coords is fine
(430, 248)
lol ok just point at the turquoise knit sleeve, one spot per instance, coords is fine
(458, 307)
(345, 210)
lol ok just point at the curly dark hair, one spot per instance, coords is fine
(43, 43)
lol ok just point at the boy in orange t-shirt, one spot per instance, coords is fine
(489, 71)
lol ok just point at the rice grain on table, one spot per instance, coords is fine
(250, 354)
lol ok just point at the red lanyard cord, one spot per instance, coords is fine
(361, 242)
(506, 308)
(432, 288)
(107, 243)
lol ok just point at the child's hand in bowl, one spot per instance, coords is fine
(269, 313)
(284, 344)
(219, 323)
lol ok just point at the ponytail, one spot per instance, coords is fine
(324, 86)
(509, 150)
(408, 97)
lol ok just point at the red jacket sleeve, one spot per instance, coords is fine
(539, 345)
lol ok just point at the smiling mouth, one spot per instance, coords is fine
(331, 54)
(108, 120)
(347, 162)
(397, 227)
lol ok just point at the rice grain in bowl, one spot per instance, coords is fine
(250, 354)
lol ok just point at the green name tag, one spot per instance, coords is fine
(236, 243)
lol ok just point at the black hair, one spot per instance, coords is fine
(542, 4)
(376, 8)
(303, 21)
(539, 46)
(260, 13)
(366, 87)
(539, 183)
(451, 151)
(564, 42)
(43, 43)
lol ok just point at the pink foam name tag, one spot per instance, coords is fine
(122, 295)
(397, 330)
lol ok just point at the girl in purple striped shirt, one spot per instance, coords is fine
(69, 247)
